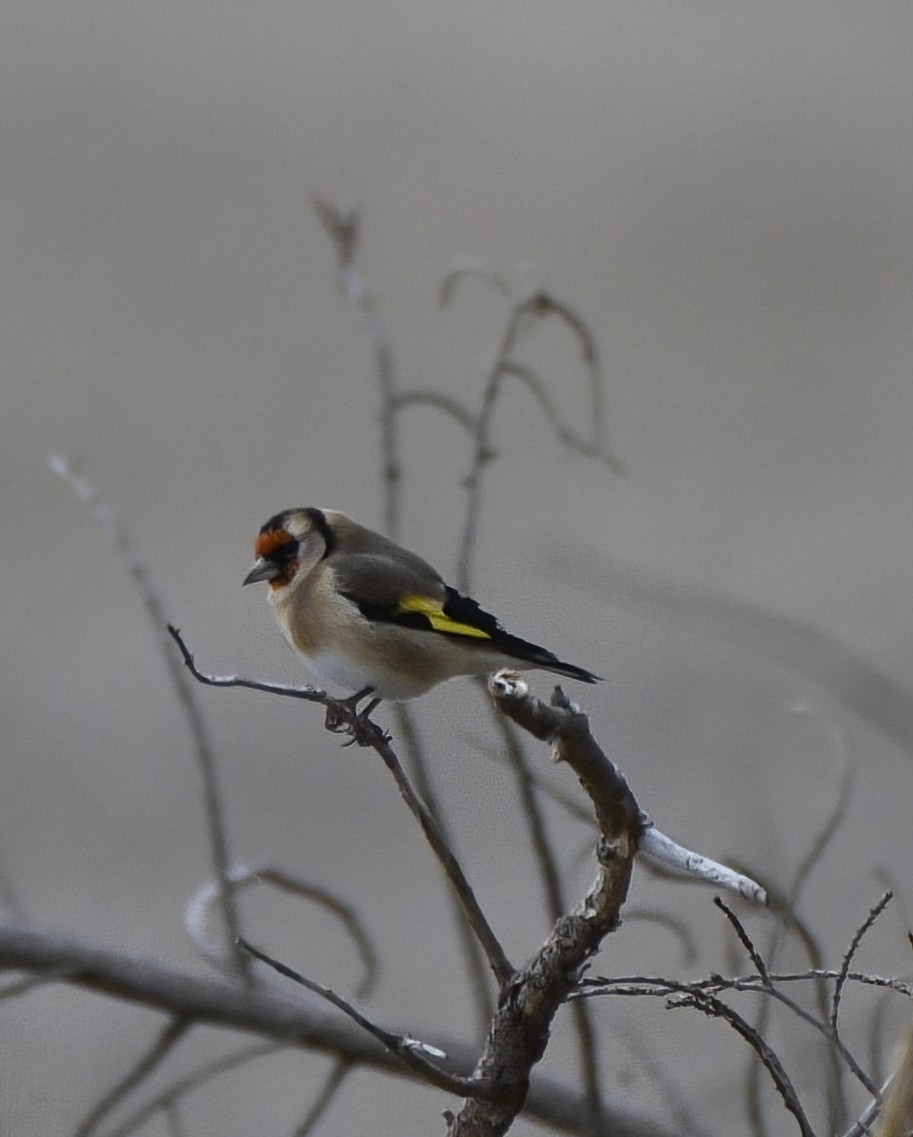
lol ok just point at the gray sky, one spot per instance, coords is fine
(721, 191)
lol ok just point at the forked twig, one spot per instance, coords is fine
(370, 735)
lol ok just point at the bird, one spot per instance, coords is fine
(374, 617)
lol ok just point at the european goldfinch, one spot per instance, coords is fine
(375, 618)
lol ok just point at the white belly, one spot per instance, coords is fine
(332, 667)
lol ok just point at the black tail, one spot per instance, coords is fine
(571, 671)
(463, 609)
(539, 657)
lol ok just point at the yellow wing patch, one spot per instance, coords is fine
(437, 618)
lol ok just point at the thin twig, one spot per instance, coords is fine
(838, 1105)
(480, 427)
(244, 876)
(177, 1089)
(482, 451)
(445, 403)
(568, 803)
(168, 1038)
(342, 225)
(851, 951)
(833, 821)
(11, 905)
(31, 983)
(757, 985)
(746, 941)
(407, 1050)
(679, 929)
(699, 995)
(469, 270)
(369, 734)
(479, 979)
(196, 723)
(652, 985)
(521, 309)
(716, 1008)
(333, 1083)
(589, 448)
(788, 918)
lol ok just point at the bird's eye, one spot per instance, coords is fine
(285, 553)
(277, 545)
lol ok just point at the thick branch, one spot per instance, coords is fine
(520, 1030)
(281, 1017)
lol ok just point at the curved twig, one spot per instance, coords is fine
(472, 270)
(243, 876)
(445, 403)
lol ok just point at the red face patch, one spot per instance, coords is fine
(266, 544)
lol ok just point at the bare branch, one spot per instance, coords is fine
(827, 1028)
(469, 269)
(11, 905)
(331, 1087)
(718, 1009)
(476, 968)
(592, 986)
(408, 1050)
(168, 1038)
(445, 403)
(851, 951)
(342, 224)
(168, 1097)
(262, 1011)
(243, 876)
(370, 735)
(308, 694)
(521, 1025)
(196, 723)
(521, 309)
(745, 940)
(816, 655)
(554, 896)
(768, 984)
(785, 906)
(833, 822)
(663, 851)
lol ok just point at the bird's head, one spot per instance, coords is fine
(289, 546)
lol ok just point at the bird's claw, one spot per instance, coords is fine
(345, 718)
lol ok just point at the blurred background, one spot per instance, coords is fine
(723, 193)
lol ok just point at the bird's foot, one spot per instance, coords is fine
(346, 718)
